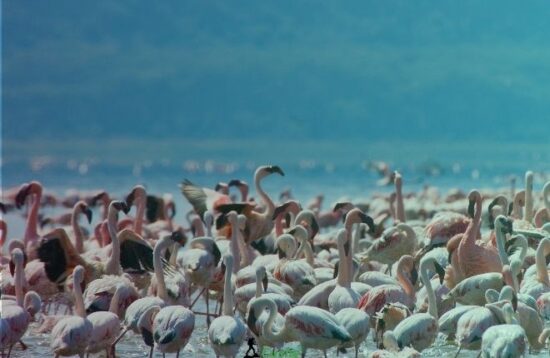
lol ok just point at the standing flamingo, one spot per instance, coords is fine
(105, 327)
(31, 239)
(357, 323)
(311, 326)
(343, 295)
(71, 335)
(258, 224)
(226, 333)
(16, 315)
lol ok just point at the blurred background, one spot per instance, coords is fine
(108, 94)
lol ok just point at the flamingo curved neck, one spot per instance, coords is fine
(258, 283)
(432, 303)
(227, 291)
(78, 300)
(342, 278)
(267, 328)
(404, 281)
(78, 236)
(528, 215)
(270, 207)
(113, 307)
(400, 207)
(500, 244)
(234, 246)
(31, 230)
(18, 281)
(140, 213)
(113, 264)
(308, 252)
(4, 235)
(157, 266)
(540, 260)
(356, 239)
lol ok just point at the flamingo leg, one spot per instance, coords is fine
(479, 355)
(9, 350)
(196, 298)
(151, 352)
(456, 355)
(178, 354)
(120, 336)
(23, 345)
(356, 350)
(207, 309)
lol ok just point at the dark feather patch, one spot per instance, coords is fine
(167, 337)
(135, 256)
(147, 337)
(153, 208)
(51, 253)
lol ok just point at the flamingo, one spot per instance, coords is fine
(542, 216)
(138, 195)
(258, 224)
(226, 333)
(169, 284)
(313, 327)
(296, 273)
(343, 295)
(375, 299)
(419, 330)
(395, 242)
(243, 188)
(31, 238)
(16, 315)
(538, 284)
(356, 322)
(246, 293)
(433, 291)
(105, 327)
(504, 340)
(71, 335)
(172, 328)
(144, 325)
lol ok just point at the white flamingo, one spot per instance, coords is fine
(356, 322)
(504, 340)
(227, 333)
(343, 295)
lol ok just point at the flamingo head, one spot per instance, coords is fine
(179, 237)
(85, 209)
(121, 206)
(222, 188)
(99, 197)
(137, 193)
(505, 224)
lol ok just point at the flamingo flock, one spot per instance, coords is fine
(406, 271)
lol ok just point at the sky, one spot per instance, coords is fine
(293, 70)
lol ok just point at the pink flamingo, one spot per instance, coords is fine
(105, 327)
(258, 224)
(313, 327)
(473, 257)
(16, 315)
(138, 195)
(71, 335)
(31, 239)
(375, 299)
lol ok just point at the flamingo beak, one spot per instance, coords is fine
(122, 206)
(471, 207)
(369, 221)
(12, 268)
(265, 282)
(88, 213)
(314, 228)
(130, 198)
(251, 321)
(414, 275)
(440, 272)
(336, 269)
(179, 237)
(22, 195)
(217, 254)
(282, 254)
(2, 208)
(275, 169)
